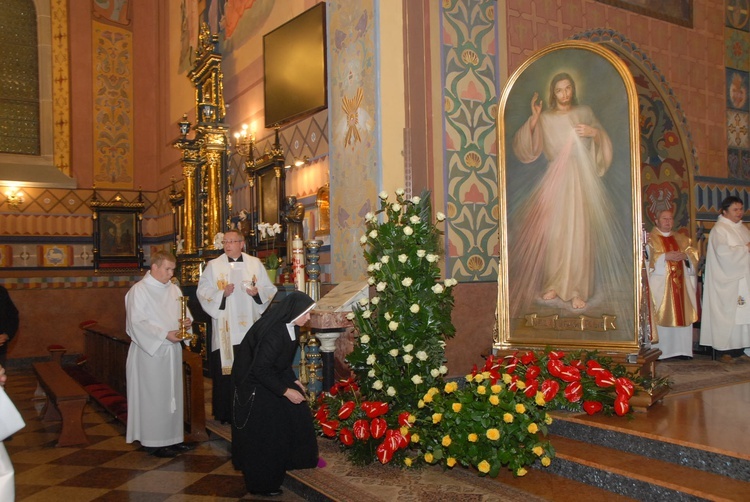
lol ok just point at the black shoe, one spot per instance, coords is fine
(164, 452)
(274, 493)
(180, 447)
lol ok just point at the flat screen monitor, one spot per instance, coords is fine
(294, 67)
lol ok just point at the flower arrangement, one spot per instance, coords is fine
(267, 231)
(398, 408)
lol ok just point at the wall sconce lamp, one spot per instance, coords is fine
(184, 126)
(298, 162)
(14, 197)
(244, 143)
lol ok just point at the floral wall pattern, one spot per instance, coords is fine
(470, 90)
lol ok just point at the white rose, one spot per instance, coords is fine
(393, 325)
(422, 355)
(385, 259)
(437, 289)
(432, 258)
(366, 314)
(434, 372)
(408, 358)
(441, 343)
(369, 216)
(409, 347)
(406, 282)
(350, 315)
(371, 373)
(399, 192)
(408, 230)
(393, 352)
(371, 359)
(364, 339)
(377, 265)
(377, 385)
(387, 316)
(416, 379)
(414, 308)
(381, 286)
(402, 258)
(370, 267)
(391, 391)
(383, 195)
(373, 234)
(440, 216)
(414, 219)
(371, 280)
(397, 207)
(375, 300)
(451, 282)
(415, 199)
(363, 301)
(363, 239)
(443, 369)
(421, 253)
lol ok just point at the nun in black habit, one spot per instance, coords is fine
(272, 425)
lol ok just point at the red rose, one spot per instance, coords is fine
(528, 358)
(554, 366)
(378, 427)
(621, 405)
(531, 388)
(362, 429)
(384, 453)
(346, 436)
(592, 407)
(329, 428)
(346, 409)
(574, 392)
(570, 374)
(532, 372)
(550, 389)
(624, 387)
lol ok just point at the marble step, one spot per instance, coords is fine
(640, 477)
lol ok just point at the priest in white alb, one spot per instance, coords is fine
(725, 323)
(672, 278)
(234, 289)
(154, 365)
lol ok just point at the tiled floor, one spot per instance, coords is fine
(109, 469)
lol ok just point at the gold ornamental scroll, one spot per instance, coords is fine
(215, 150)
(188, 222)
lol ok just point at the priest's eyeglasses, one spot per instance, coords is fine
(230, 242)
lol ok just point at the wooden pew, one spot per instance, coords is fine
(65, 401)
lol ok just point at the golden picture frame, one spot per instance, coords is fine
(569, 203)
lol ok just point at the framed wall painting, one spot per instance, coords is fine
(117, 234)
(570, 218)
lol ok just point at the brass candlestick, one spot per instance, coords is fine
(183, 317)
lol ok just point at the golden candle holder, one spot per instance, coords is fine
(183, 334)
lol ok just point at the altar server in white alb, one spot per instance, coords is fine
(725, 323)
(234, 289)
(672, 278)
(154, 364)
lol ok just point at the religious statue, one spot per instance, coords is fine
(294, 213)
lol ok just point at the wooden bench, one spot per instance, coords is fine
(65, 400)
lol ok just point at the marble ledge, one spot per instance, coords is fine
(322, 319)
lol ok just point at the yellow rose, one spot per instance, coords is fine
(446, 441)
(469, 377)
(450, 461)
(420, 404)
(451, 387)
(415, 438)
(520, 408)
(533, 428)
(538, 451)
(547, 419)
(521, 472)
(521, 384)
(539, 398)
(493, 434)
(473, 438)
(546, 461)
(456, 407)
(507, 378)
(436, 418)
(486, 374)
(484, 467)
(494, 400)
(481, 390)
(427, 398)
(428, 457)
(508, 418)
(433, 390)
(478, 377)
(407, 461)
(496, 388)
(412, 419)
(404, 430)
